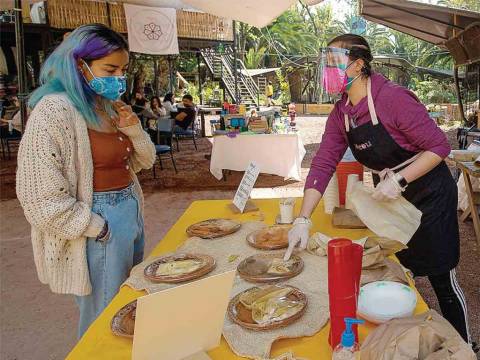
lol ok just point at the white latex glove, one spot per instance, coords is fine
(298, 235)
(389, 188)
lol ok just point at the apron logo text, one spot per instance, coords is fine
(364, 146)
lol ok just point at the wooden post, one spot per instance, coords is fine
(199, 78)
(459, 94)
(170, 74)
(21, 65)
(455, 77)
(155, 75)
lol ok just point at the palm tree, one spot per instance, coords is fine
(254, 57)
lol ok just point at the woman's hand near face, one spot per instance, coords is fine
(126, 117)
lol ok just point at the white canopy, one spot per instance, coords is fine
(258, 13)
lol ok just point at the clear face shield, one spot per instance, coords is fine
(333, 65)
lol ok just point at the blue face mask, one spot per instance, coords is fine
(110, 87)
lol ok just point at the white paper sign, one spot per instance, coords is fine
(176, 323)
(246, 185)
(151, 30)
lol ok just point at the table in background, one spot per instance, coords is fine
(468, 168)
(277, 154)
(206, 110)
(99, 342)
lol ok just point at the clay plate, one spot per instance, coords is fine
(240, 315)
(271, 238)
(213, 228)
(208, 266)
(123, 322)
(254, 268)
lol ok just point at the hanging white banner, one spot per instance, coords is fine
(151, 30)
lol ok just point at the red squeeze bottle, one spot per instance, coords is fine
(342, 286)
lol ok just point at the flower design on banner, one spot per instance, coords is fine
(152, 31)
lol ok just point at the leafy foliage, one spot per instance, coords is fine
(430, 92)
(254, 58)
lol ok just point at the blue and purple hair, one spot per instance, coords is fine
(60, 73)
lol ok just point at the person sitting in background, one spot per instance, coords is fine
(12, 119)
(152, 114)
(139, 103)
(156, 107)
(169, 104)
(186, 114)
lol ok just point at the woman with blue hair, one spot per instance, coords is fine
(76, 171)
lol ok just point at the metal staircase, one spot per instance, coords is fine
(221, 67)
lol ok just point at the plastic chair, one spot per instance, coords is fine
(6, 139)
(164, 135)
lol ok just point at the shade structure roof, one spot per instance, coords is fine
(258, 13)
(432, 23)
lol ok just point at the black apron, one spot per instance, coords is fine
(434, 248)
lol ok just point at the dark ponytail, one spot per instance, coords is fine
(359, 49)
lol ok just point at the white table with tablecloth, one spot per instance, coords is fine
(277, 154)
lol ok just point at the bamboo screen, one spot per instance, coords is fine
(69, 14)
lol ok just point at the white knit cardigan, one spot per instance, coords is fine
(55, 189)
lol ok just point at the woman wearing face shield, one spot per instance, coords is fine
(76, 171)
(389, 131)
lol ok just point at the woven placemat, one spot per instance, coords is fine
(313, 281)
(221, 249)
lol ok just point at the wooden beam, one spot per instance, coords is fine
(472, 205)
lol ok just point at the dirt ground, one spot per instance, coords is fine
(37, 324)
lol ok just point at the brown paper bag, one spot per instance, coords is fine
(427, 336)
(376, 248)
(387, 270)
(375, 264)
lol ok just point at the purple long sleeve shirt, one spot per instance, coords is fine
(400, 112)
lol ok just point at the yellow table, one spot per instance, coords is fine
(99, 342)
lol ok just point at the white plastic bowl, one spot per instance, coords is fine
(381, 301)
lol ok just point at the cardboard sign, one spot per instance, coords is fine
(177, 323)
(246, 185)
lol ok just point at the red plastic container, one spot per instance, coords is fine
(339, 262)
(344, 269)
(357, 255)
(233, 109)
(343, 170)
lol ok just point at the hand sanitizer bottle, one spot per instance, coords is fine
(348, 347)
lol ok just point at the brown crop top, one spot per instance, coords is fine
(110, 153)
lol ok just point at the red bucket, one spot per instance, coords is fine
(343, 170)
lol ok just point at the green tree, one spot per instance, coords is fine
(254, 58)
(473, 5)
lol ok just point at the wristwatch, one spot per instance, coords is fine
(401, 181)
(303, 220)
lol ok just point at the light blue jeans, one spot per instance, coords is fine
(110, 262)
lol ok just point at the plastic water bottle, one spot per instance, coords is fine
(348, 347)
